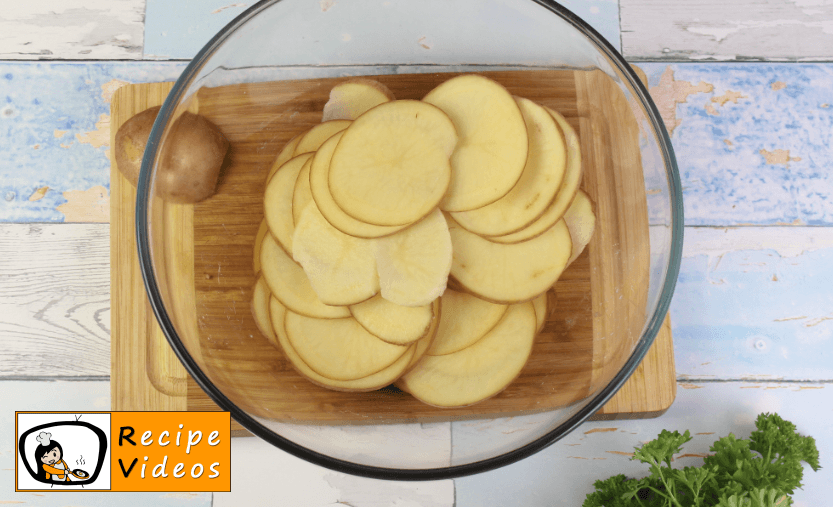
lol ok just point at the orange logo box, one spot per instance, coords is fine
(170, 451)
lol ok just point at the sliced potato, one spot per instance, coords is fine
(277, 200)
(413, 264)
(340, 268)
(302, 195)
(477, 372)
(540, 180)
(352, 98)
(581, 221)
(286, 153)
(320, 189)
(372, 382)
(466, 319)
(262, 231)
(340, 349)
(393, 323)
(391, 166)
(316, 136)
(569, 186)
(540, 305)
(288, 282)
(260, 310)
(509, 273)
(492, 148)
(423, 344)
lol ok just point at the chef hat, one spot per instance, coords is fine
(43, 438)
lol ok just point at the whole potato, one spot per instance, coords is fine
(191, 156)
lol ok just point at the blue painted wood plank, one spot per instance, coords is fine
(68, 396)
(755, 302)
(563, 474)
(752, 140)
(55, 134)
(328, 32)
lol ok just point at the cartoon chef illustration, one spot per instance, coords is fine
(49, 456)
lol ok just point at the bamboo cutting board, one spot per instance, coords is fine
(600, 299)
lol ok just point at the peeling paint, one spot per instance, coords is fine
(92, 205)
(729, 96)
(692, 455)
(620, 453)
(59, 133)
(689, 386)
(424, 43)
(576, 457)
(778, 157)
(38, 194)
(98, 137)
(600, 430)
(705, 433)
(728, 143)
(800, 317)
(816, 322)
(221, 9)
(778, 85)
(670, 92)
(326, 5)
(110, 87)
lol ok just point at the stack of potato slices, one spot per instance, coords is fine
(369, 214)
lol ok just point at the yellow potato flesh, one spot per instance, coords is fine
(581, 221)
(340, 349)
(286, 153)
(391, 166)
(260, 309)
(466, 319)
(288, 282)
(277, 200)
(262, 231)
(493, 145)
(413, 264)
(320, 190)
(477, 372)
(391, 322)
(372, 382)
(569, 186)
(540, 305)
(341, 269)
(302, 195)
(540, 180)
(351, 99)
(423, 344)
(318, 134)
(509, 273)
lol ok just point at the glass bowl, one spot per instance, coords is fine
(260, 81)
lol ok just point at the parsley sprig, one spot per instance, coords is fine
(763, 471)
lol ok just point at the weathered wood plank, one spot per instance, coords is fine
(55, 136)
(755, 303)
(718, 30)
(597, 450)
(72, 29)
(752, 140)
(54, 300)
(68, 396)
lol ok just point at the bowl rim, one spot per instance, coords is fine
(423, 474)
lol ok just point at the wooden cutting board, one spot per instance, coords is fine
(601, 298)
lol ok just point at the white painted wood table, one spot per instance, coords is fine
(753, 310)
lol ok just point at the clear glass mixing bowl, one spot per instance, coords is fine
(260, 64)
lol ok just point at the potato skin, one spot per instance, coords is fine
(189, 165)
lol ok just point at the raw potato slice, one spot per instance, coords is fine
(477, 372)
(352, 98)
(260, 310)
(286, 153)
(492, 147)
(341, 269)
(414, 264)
(392, 323)
(392, 165)
(538, 185)
(340, 349)
(261, 233)
(372, 382)
(316, 136)
(423, 344)
(319, 186)
(509, 273)
(288, 282)
(569, 186)
(581, 221)
(466, 319)
(540, 305)
(302, 195)
(277, 200)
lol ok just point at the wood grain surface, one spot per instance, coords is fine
(258, 119)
